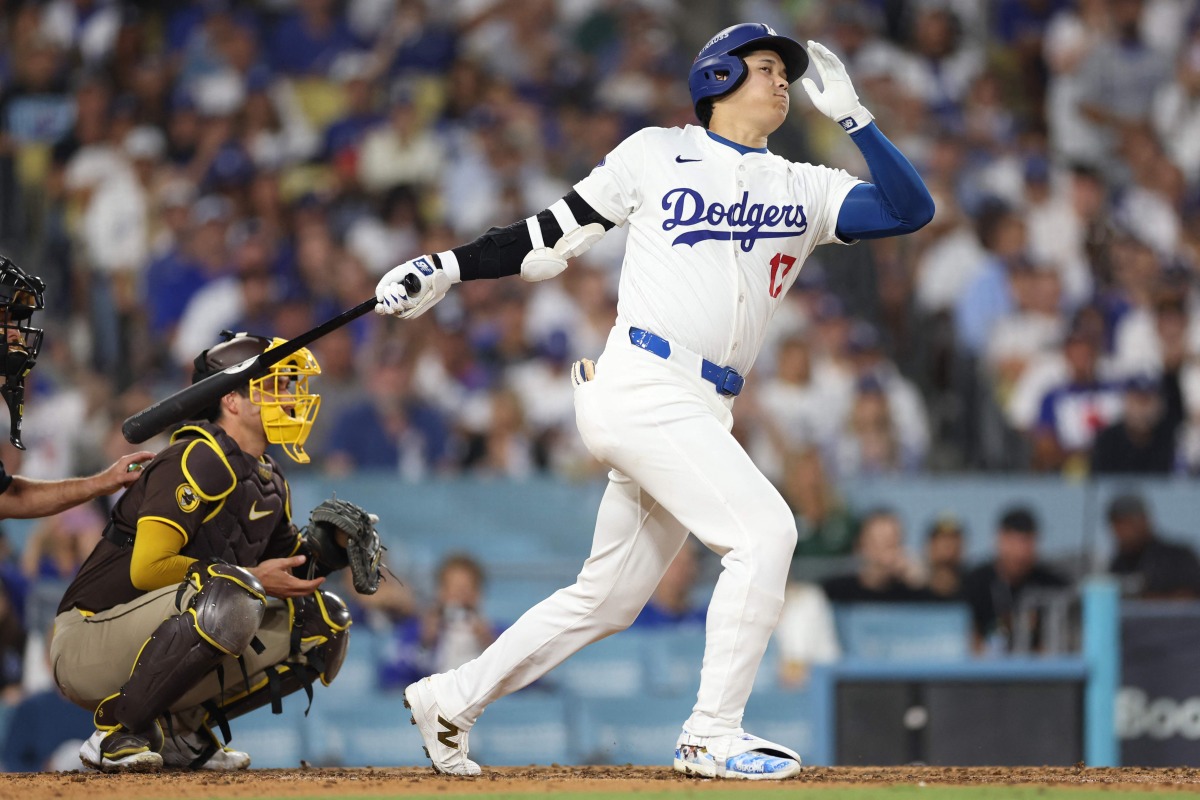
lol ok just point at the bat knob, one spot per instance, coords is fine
(411, 284)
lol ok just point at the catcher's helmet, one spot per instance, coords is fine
(288, 408)
(719, 68)
(21, 294)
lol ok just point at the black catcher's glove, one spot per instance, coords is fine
(363, 551)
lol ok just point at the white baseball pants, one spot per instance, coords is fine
(676, 468)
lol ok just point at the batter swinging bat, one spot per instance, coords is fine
(187, 402)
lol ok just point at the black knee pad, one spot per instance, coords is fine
(229, 607)
(326, 619)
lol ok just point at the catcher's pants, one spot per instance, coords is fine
(676, 468)
(92, 656)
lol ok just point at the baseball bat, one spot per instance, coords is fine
(187, 402)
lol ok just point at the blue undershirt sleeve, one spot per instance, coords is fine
(897, 202)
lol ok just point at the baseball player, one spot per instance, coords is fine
(22, 294)
(202, 602)
(719, 227)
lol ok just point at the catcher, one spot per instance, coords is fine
(203, 602)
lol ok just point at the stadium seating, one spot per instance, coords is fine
(904, 631)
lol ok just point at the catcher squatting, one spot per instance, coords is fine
(205, 586)
(719, 228)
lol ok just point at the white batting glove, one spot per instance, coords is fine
(583, 371)
(409, 290)
(838, 101)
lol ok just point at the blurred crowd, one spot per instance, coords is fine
(175, 170)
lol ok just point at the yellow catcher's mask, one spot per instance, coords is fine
(288, 408)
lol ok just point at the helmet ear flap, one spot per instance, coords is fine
(716, 76)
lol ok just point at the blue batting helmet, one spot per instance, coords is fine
(719, 68)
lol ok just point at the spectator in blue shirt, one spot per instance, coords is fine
(448, 634)
(345, 134)
(1076, 410)
(417, 44)
(392, 429)
(308, 40)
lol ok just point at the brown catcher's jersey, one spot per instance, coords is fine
(227, 504)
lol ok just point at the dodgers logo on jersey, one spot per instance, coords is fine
(687, 208)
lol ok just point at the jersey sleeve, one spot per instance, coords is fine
(827, 188)
(614, 187)
(5, 479)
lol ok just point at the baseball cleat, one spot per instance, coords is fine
(120, 751)
(741, 756)
(200, 750)
(445, 742)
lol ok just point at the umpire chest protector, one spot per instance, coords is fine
(232, 504)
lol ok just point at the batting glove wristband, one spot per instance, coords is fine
(837, 100)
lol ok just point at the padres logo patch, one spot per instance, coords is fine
(187, 499)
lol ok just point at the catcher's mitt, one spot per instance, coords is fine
(363, 551)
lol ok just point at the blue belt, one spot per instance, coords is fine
(726, 379)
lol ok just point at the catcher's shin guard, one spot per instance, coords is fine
(320, 636)
(220, 620)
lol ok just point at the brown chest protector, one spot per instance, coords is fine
(239, 529)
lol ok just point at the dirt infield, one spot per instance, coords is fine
(550, 780)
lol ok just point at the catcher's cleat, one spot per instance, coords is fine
(740, 756)
(122, 751)
(200, 750)
(445, 742)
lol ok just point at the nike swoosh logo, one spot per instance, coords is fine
(682, 160)
(256, 514)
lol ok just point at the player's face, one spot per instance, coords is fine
(246, 420)
(11, 334)
(762, 100)
(277, 389)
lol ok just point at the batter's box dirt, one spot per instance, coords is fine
(543, 782)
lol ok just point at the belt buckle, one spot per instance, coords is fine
(729, 382)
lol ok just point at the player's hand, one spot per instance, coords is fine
(409, 290)
(277, 579)
(124, 471)
(837, 100)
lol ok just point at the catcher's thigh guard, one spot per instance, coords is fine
(221, 619)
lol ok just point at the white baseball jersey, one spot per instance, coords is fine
(716, 237)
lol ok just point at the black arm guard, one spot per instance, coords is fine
(499, 252)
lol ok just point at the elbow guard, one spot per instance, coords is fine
(546, 262)
(543, 262)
